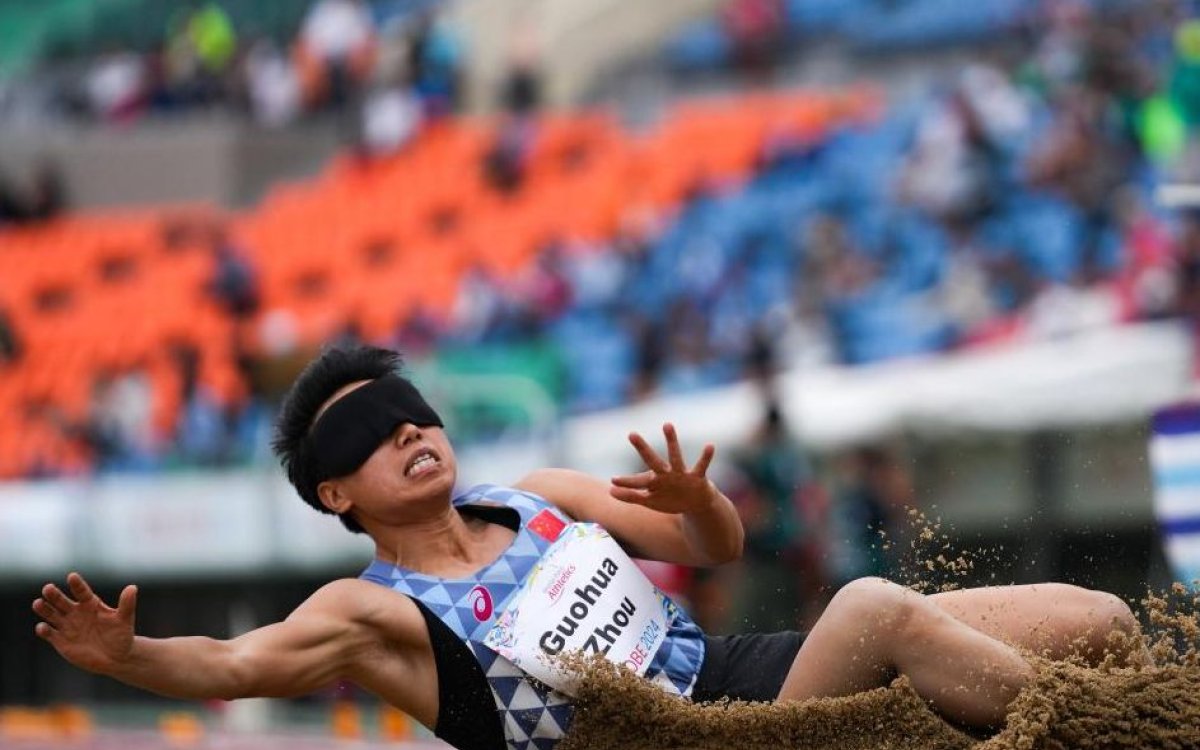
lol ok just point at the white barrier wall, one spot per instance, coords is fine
(203, 524)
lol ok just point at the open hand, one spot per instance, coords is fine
(82, 628)
(668, 485)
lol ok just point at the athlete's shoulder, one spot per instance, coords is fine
(521, 496)
(363, 602)
(551, 483)
(573, 492)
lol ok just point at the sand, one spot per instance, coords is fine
(1067, 705)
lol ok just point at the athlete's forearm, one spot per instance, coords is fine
(713, 530)
(191, 668)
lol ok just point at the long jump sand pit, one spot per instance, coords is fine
(1068, 705)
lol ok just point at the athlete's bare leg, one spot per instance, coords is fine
(874, 629)
(1054, 619)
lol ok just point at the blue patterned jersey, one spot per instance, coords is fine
(534, 715)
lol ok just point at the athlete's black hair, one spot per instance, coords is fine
(324, 376)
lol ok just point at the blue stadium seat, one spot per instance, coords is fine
(699, 45)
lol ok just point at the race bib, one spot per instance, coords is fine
(585, 594)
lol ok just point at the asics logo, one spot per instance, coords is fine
(481, 603)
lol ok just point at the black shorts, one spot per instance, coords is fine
(749, 667)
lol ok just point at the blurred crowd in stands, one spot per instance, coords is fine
(388, 65)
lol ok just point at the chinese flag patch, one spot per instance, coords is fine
(547, 525)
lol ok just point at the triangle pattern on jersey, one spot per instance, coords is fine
(439, 609)
(506, 688)
(467, 619)
(437, 595)
(547, 727)
(418, 585)
(488, 659)
(524, 546)
(513, 728)
(525, 697)
(528, 719)
(562, 713)
(500, 572)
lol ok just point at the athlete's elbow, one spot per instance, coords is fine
(735, 548)
(728, 551)
(247, 674)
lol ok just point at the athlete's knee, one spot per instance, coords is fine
(1109, 613)
(1098, 615)
(1096, 610)
(876, 603)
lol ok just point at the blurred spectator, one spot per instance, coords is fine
(478, 307)
(10, 345)
(867, 518)
(11, 208)
(1002, 113)
(200, 49)
(1060, 52)
(689, 353)
(1187, 282)
(47, 197)
(543, 289)
(43, 198)
(116, 86)
(953, 169)
(965, 293)
(1088, 160)
(234, 283)
(235, 286)
(823, 248)
(336, 48)
(392, 111)
(756, 29)
(505, 161)
(650, 343)
(435, 64)
(1188, 262)
(391, 118)
(774, 495)
(419, 333)
(120, 424)
(204, 431)
(1185, 74)
(272, 85)
(1146, 283)
(521, 88)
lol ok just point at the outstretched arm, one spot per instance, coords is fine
(321, 641)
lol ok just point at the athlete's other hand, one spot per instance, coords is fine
(668, 485)
(86, 631)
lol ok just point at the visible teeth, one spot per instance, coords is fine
(421, 463)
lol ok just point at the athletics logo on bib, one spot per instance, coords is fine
(585, 595)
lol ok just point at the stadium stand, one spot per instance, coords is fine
(367, 246)
(998, 205)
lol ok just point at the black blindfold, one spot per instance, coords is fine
(350, 430)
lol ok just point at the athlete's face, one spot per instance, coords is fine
(409, 476)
